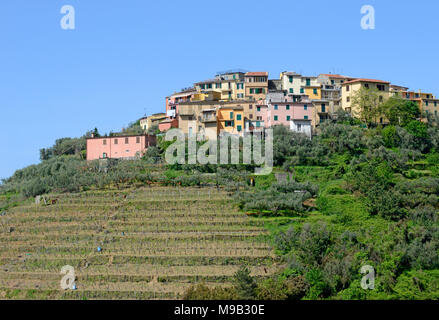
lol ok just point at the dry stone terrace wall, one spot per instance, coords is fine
(155, 243)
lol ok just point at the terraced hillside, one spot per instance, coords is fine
(155, 243)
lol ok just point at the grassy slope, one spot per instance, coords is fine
(343, 211)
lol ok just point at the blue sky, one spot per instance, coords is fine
(124, 57)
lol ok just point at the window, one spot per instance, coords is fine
(323, 107)
(250, 106)
(291, 79)
(302, 90)
(305, 117)
(299, 127)
(231, 115)
(137, 139)
(116, 141)
(276, 107)
(348, 99)
(252, 90)
(239, 128)
(104, 142)
(275, 118)
(251, 116)
(258, 124)
(305, 107)
(348, 88)
(366, 85)
(426, 103)
(381, 87)
(259, 109)
(315, 91)
(229, 124)
(435, 103)
(127, 140)
(288, 118)
(308, 82)
(238, 117)
(287, 107)
(104, 155)
(291, 90)
(332, 82)
(218, 85)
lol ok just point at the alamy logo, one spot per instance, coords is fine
(68, 281)
(229, 146)
(368, 20)
(68, 20)
(368, 281)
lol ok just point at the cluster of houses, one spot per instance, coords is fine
(240, 103)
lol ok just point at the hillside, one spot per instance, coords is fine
(354, 197)
(155, 241)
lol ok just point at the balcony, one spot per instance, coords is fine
(208, 118)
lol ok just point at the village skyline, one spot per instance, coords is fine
(119, 63)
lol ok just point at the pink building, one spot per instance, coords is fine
(168, 124)
(121, 147)
(282, 113)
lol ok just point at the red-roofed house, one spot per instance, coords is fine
(350, 88)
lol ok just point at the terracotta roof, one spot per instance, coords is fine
(262, 74)
(366, 80)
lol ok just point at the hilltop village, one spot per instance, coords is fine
(240, 102)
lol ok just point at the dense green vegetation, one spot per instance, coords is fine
(377, 204)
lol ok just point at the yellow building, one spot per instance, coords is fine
(313, 92)
(256, 85)
(350, 88)
(321, 111)
(155, 119)
(228, 86)
(230, 119)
